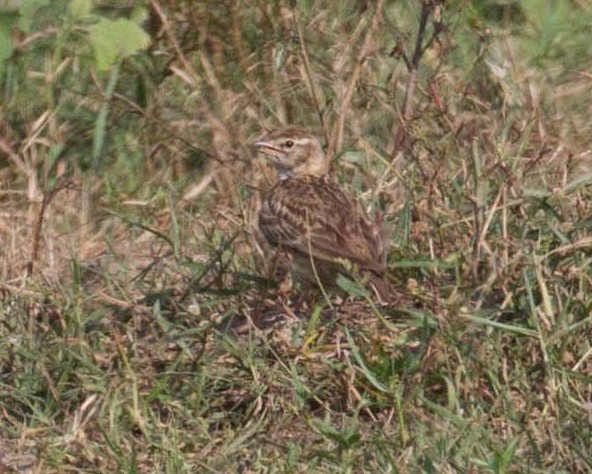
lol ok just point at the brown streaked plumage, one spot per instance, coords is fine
(312, 218)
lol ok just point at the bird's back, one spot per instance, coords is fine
(313, 216)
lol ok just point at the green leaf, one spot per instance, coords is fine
(101, 123)
(7, 22)
(346, 438)
(300, 390)
(365, 369)
(351, 287)
(28, 11)
(139, 14)
(80, 9)
(352, 157)
(116, 39)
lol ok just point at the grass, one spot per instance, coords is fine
(141, 326)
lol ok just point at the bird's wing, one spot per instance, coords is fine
(315, 217)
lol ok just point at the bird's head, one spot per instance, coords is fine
(294, 152)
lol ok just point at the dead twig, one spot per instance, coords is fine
(337, 134)
(308, 69)
(171, 37)
(400, 130)
(60, 186)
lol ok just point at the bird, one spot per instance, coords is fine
(310, 217)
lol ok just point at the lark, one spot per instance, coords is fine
(309, 216)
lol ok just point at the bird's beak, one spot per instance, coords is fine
(262, 144)
(267, 149)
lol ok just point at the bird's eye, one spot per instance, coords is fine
(289, 143)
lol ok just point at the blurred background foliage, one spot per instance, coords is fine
(110, 75)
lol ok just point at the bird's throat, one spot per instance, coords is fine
(284, 174)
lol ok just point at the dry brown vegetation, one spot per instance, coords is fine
(142, 328)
